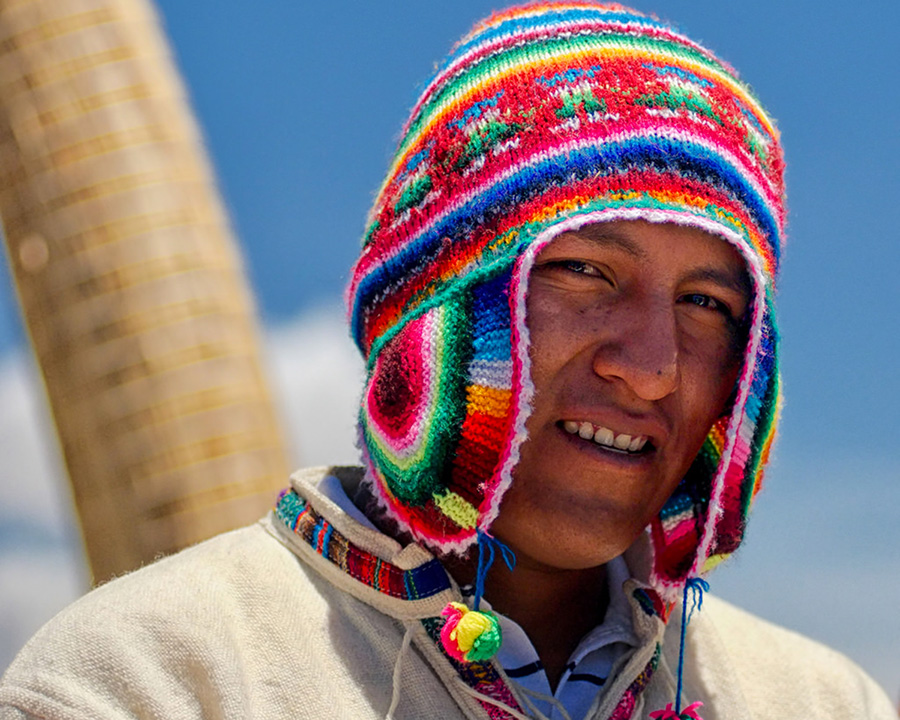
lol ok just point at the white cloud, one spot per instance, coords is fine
(316, 375)
(41, 565)
(31, 484)
(820, 555)
(36, 584)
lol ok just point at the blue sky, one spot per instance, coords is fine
(300, 103)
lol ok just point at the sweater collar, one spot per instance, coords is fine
(365, 555)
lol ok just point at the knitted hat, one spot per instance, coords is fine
(547, 117)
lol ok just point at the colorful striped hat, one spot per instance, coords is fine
(547, 117)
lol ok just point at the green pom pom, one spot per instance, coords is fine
(488, 642)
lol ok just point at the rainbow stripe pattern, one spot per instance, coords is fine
(545, 117)
(300, 518)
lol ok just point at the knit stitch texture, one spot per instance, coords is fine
(547, 117)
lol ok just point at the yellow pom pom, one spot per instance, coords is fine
(471, 626)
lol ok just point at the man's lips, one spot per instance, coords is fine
(606, 437)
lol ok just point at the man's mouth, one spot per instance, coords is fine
(621, 442)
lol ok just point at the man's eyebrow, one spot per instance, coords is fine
(739, 282)
(609, 238)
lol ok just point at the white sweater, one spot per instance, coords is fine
(259, 624)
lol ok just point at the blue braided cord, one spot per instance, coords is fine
(486, 553)
(696, 586)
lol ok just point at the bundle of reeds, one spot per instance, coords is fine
(131, 286)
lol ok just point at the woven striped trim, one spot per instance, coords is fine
(420, 582)
(652, 604)
(625, 709)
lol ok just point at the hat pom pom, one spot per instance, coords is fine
(470, 635)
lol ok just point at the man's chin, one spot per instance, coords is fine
(565, 544)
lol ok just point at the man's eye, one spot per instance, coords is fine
(578, 266)
(705, 301)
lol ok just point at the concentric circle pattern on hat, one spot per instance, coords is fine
(546, 117)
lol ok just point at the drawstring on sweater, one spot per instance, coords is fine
(398, 667)
(549, 699)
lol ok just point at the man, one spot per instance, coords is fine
(565, 302)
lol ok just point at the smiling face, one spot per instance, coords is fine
(636, 332)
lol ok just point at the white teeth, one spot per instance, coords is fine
(605, 436)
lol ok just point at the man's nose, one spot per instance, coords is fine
(640, 349)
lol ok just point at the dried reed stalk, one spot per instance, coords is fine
(131, 286)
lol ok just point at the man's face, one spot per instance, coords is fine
(636, 338)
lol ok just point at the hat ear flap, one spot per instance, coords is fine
(439, 414)
(414, 401)
(676, 531)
